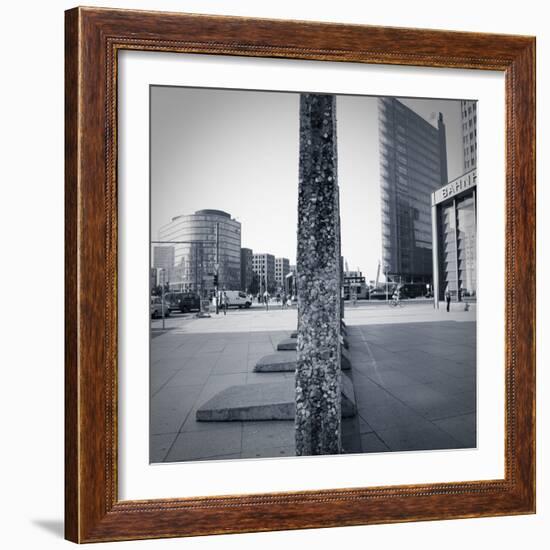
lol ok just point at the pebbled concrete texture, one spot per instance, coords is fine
(318, 385)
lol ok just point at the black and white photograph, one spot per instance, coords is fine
(312, 274)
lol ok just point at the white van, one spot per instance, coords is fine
(235, 298)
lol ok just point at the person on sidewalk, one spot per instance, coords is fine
(266, 300)
(224, 302)
(448, 300)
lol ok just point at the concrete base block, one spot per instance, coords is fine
(285, 361)
(288, 344)
(294, 334)
(282, 361)
(264, 401)
(349, 407)
(344, 342)
(346, 359)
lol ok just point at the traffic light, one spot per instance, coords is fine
(216, 279)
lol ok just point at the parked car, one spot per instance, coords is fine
(235, 298)
(183, 301)
(157, 307)
(380, 293)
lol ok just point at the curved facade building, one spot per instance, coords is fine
(205, 243)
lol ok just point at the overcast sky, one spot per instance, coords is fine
(237, 151)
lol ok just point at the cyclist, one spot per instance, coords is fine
(396, 296)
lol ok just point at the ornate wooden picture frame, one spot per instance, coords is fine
(94, 37)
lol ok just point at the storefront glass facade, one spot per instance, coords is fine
(455, 256)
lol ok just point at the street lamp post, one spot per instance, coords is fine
(163, 273)
(217, 270)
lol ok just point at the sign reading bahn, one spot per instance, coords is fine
(455, 187)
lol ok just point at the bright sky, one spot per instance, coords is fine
(237, 151)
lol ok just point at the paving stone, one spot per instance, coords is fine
(462, 428)
(194, 445)
(159, 445)
(371, 443)
(387, 412)
(267, 434)
(420, 436)
(432, 404)
(391, 378)
(270, 452)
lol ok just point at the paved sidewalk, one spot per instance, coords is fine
(415, 385)
(414, 382)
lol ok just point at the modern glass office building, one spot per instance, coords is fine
(454, 237)
(413, 164)
(205, 243)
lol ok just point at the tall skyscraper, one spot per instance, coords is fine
(209, 243)
(413, 164)
(469, 133)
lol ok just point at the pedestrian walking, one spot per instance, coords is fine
(448, 300)
(284, 300)
(224, 303)
(266, 300)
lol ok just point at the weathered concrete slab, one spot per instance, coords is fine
(287, 344)
(285, 361)
(345, 359)
(281, 361)
(264, 401)
(348, 397)
(344, 341)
